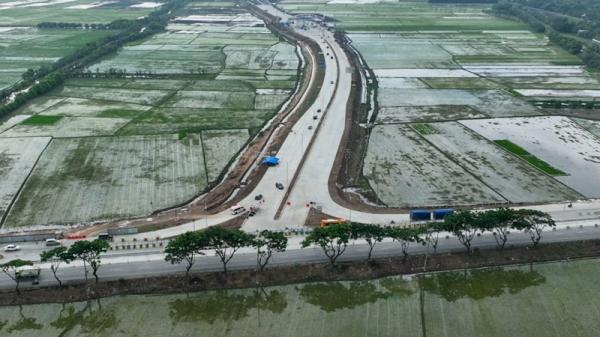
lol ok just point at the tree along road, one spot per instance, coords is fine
(117, 266)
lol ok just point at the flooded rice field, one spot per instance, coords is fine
(555, 299)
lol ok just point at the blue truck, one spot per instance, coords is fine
(441, 213)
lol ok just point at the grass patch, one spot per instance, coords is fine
(425, 129)
(42, 120)
(119, 113)
(528, 157)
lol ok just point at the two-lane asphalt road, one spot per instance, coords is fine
(136, 265)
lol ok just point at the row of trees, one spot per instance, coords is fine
(583, 9)
(569, 33)
(43, 86)
(72, 25)
(464, 225)
(334, 239)
(89, 252)
(225, 243)
(505, 8)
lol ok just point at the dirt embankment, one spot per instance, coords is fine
(306, 273)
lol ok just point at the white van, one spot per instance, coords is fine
(237, 209)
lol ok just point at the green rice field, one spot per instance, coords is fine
(538, 300)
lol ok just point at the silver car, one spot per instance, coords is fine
(11, 248)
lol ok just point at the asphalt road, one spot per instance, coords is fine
(138, 265)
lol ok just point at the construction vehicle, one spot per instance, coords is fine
(327, 222)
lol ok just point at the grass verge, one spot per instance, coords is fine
(42, 120)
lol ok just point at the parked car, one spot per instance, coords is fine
(11, 248)
(52, 242)
(279, 186)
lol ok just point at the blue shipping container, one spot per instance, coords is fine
(440, 214)
(420, 215)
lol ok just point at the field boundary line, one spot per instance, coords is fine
(18, 194)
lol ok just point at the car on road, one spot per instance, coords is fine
(11, 248)
(315, 117)
(318, 110)
(237, 209)
(258, 197)
(279, 186)
(52, 242)
(105, 237)
(332, 82)
(310, 127)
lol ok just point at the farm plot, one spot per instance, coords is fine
(87, 179)
(173, 120)
(212, 100)
(590, 125)
(22, 48)
(382, 52)
(28, 13)
(81, 107)
(17, 158)
(405, 171)
(551, 82)
(137, 96)
(220, 146)
(511, 177)
(59, 126)
(490, 102)
(404, 114)
(558, 141)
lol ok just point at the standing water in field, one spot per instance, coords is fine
(555, 299)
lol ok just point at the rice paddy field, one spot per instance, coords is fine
(32, 12)
(126, 146)
(446, 75)
(545, 300)
(96, 178)
(17, 157)
(25, 47)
